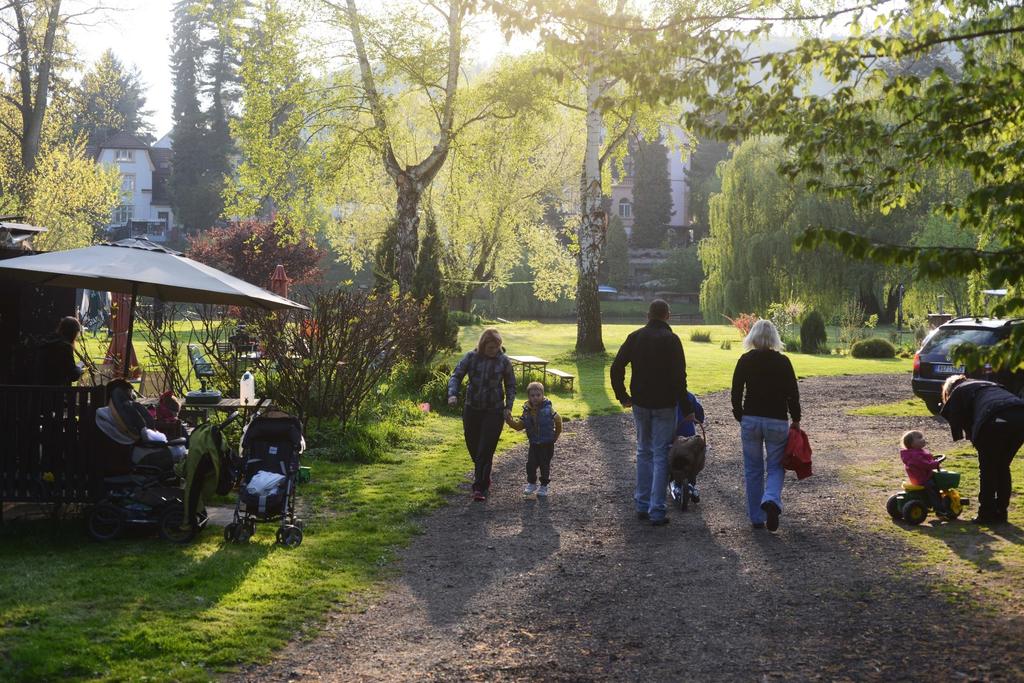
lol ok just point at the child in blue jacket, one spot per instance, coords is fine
(687, 428)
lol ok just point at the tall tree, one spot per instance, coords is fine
(652, 195)
(189, 186)
(616, 254)
(110, 99)
(417, 69)
(35, 33)
(205, 62)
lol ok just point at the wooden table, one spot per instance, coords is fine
(530, 363)
(229, 405)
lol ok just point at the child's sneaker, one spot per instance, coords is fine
(529, 489)
(674, 490)
(479, 495)
(694, 493)
(542, 490)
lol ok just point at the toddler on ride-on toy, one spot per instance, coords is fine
(929, 486)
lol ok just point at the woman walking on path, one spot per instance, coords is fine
(487, 406)
(993, 419)
(764, 390)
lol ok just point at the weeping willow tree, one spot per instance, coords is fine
(749, 259)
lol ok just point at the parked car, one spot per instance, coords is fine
(933, 364)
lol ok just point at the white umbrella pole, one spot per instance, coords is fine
(127, 358)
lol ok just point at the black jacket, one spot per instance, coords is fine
(973, 403)
(55, 364)
(770, 384)
(659, 369)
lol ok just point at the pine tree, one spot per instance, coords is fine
(616, 254)
(110, 99)
(190, 126)
(652, 195)
(205, 63)
(427, 286)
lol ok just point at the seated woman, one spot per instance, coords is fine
(55, 360)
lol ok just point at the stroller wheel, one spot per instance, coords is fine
(246, 530)
(173, 527)
(289, 536)
(105, 522)
(231, 532)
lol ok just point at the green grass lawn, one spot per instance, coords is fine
(911, 407)
(141, 609)
(980, 567)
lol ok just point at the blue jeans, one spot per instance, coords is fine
(655, 431)
(764, 442)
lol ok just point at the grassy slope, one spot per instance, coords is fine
(142, 608)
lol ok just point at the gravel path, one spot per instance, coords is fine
(574, 588)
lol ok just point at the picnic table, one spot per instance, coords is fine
(229, 405)
(529, 363)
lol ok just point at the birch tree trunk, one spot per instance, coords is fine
(593, 225)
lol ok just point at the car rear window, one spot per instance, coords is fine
(944, 340)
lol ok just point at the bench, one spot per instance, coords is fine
(563, 377)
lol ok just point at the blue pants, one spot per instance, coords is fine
(764, 442)
(655, 431)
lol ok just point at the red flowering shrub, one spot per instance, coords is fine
(743, 322)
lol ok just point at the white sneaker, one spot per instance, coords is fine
(542, 490)
(529, 489)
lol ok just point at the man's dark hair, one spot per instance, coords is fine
(68, 328)
(658, 310)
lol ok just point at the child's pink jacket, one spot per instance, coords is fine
(919, 464)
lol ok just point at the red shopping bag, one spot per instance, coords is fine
(797, 456)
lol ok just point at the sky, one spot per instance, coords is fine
(139, 32)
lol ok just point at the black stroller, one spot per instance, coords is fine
(270, 465)
(141, 484)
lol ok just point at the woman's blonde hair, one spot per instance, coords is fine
(950, 384)
(763, 335)
(487, 336)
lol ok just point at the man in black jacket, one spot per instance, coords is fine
(657, 385)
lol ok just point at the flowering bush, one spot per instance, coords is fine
(743, 322)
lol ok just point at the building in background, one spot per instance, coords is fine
(145, 208)
(622, 200)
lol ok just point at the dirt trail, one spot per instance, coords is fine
(574, 588)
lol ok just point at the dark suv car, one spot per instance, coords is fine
(932, 364)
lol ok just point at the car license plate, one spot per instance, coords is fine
(947, 370)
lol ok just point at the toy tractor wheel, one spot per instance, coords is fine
(105, 522)
(231, 532)
(173, 527)
(955, 504)
(290, 536)
(892, 506)
(914, 512)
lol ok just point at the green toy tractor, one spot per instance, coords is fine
(912, 504)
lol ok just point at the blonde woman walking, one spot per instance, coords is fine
(764, 393)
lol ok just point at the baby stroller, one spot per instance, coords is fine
(686, 460)
(271, 446)
(142, 487)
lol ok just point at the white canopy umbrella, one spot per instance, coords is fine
(140, 267)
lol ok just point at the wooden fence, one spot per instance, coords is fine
(48, 443)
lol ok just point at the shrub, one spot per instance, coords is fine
(463, 318)
(743, 322)
(873, 348)
(725, 345)
(812, 333)
(329, 363)
(700, 336)
(792, 344)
